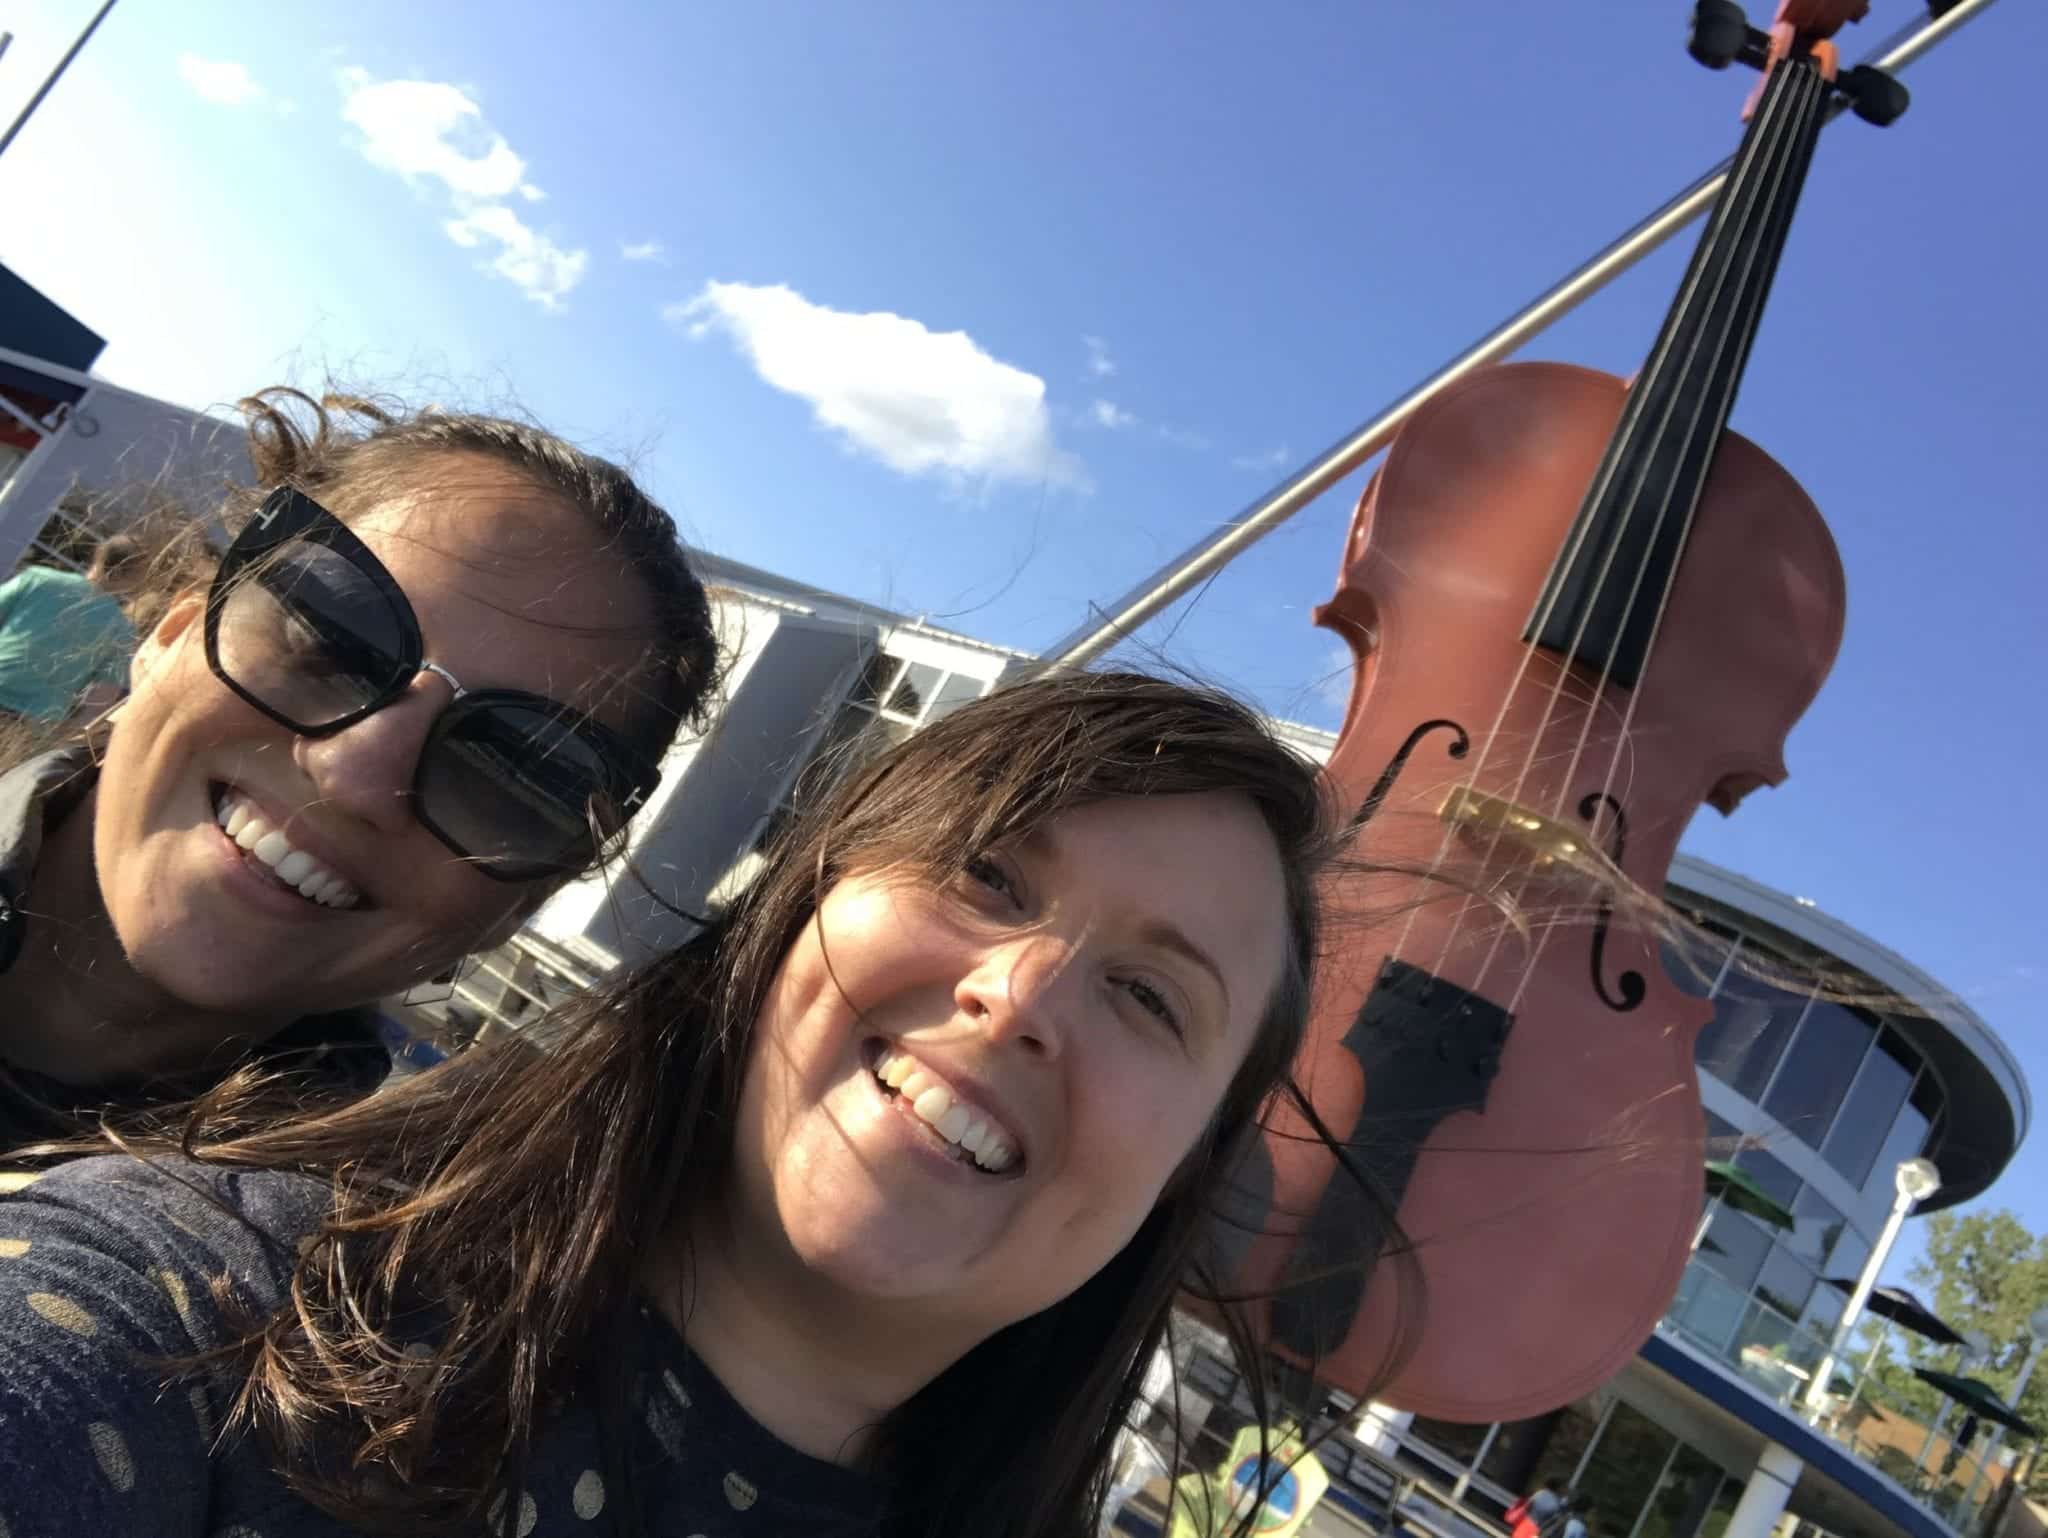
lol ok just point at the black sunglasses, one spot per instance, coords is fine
(305, 624)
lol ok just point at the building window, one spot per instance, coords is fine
(1735, 1247)
(1785, 1282)
(1908, 1136)
(1871, 1107)
(891, 698)
(1752, 1023)
(1818, 1070)
(1628, 1461)
(1816, 1228)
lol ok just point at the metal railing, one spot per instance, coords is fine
(1778, 1359)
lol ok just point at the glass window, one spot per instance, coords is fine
(1907, 1137)
(1848, 1255)
(1785, 1282)
(1627, 1462)
(1575, 1427)
(1818, 1070)
(1683, 1496)
(956, 691)
(1816, 1228)
(1873, 1103)
(1734, 1248)
(1694, 966)
(919, 682)
(876, 671)
(1712, 1311)
(1770, 1172)
(1772, 1354)
(1742, 1043)
(1721, 1511)
(1823, 1312)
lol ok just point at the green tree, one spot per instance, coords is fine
(1983, 1272)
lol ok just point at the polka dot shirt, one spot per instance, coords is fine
(107, 1267)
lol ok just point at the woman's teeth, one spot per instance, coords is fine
(977, 1134)
(292, 867)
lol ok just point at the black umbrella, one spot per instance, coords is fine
(1902, 1308)
(1978, 1397)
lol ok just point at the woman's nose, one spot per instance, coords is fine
(1017, 993)
(367, 770)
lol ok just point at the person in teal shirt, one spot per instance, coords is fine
(62, 634)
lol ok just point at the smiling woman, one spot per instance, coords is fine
(429, 680)
(865, 1211)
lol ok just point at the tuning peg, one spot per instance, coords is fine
(1719, 31)
(1875, 96)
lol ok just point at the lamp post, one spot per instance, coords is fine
(1914, 1180)
(2037, 1328)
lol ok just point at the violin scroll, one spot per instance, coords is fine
(1721, 35)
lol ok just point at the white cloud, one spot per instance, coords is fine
(221, 81)
(1182, 438)
(433, 133)
(539, 268)
(920, 401)
(644, 251)
(1100, 364)
(1271, 460)
(423, 128)
(1109, 414)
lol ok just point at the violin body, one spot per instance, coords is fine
(1540, 1060)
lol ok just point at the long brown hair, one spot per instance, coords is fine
(515, 1196)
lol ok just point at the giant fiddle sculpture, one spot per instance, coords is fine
(1579, 609)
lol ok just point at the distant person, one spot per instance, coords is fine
(1574, 1521)
(1531, 1513)
(64, 635)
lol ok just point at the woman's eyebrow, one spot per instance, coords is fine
(1168, 936)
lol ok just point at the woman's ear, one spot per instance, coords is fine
(155, 649)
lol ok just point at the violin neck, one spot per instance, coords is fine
(1606, 591)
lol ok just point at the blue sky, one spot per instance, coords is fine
(985, 311)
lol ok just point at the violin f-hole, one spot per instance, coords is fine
(1385, 783)
(1633, 989)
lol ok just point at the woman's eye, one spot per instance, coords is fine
(1154, 1003)
(985, 871)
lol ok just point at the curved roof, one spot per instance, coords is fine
(1989, 1108)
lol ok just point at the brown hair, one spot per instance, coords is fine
(349, 452)
(513, 1195)
(117, 560)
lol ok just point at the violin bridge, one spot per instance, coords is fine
(1548, 843)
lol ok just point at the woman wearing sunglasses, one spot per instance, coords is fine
(432, 677)
(864, 1212)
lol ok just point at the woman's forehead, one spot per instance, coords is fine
(511, 584)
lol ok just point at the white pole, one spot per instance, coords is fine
(1915, 1180)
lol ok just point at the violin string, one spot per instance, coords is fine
(1561, 681)
(1714, 278)
(1788, 123)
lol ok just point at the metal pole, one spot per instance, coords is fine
(63, 64)
(1262, 517)
(1465, 1479)
(1914, 1181)
(1933, 1429)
